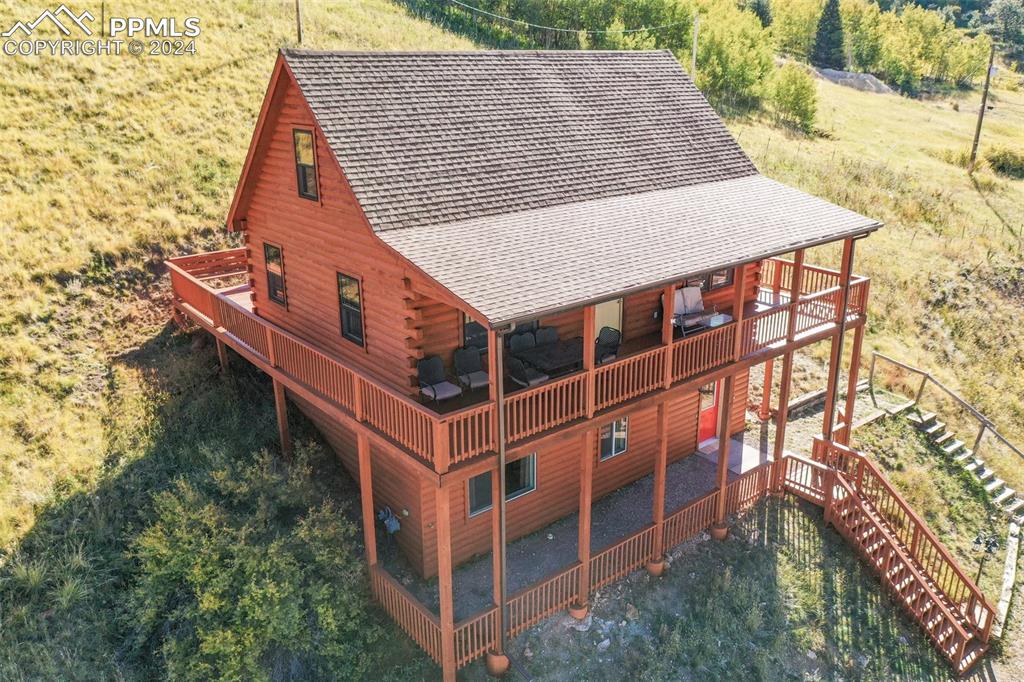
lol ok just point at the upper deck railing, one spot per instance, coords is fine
(441, 440)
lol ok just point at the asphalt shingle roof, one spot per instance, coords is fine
(556, 257)
(527, 182)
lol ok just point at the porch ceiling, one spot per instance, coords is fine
(519, 266)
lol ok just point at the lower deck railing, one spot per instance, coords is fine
(475, 635)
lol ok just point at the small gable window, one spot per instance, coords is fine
(351, 300)
(305, 164)
(273, 257)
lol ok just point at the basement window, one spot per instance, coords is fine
(305, 164)
(614, 438)
(273, 257)
(520, 479)
(350, 299)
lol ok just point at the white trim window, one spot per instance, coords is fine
(520, 479)
(614, 438)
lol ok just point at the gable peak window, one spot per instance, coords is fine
(273, 258)
(305, 163)
(350, 299)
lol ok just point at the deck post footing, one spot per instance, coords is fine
(579, 611)
(656, 567)
(720, 531)
(497, 664)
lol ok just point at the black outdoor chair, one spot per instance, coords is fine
(521, 342)
(546, 336)
(469, 368)
(523, 375)
(607, 344)
(434, 382)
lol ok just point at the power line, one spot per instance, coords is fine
(565, 30)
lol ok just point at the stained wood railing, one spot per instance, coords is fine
(420, 624)
(443, 440)
(910, 561)
(622, 558)
(475, 635)
(910, 529)
(530, 606)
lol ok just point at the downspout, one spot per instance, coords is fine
(500, 407)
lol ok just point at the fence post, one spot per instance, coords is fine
(357, 396)
(442, 453)
(977, 441)
(871, 380)
(920, 389)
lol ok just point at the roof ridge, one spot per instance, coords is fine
(292, 51)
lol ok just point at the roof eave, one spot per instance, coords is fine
(858, 233)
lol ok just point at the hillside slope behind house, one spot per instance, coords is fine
(109, 165)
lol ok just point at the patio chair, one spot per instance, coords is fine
(469, 369)
(521, 342)
(434, 382)
(523, 375)
(546, 336)
(608, 340)
(687, 308)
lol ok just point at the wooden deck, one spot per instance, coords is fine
(443, 439)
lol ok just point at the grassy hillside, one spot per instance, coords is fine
(108, 164)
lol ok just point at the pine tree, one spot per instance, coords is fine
(828, 43)
(763, 10)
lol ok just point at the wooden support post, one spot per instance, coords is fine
(492, 385)
(667, 310)
(719, 531)
(587, 455)
(443, 524)
(765, 413)
(366, 498)
(281, 407)
(589, 350)
(835, 359)
(222, 355)
(851, 391)
(496, 661)
(738, 283)
(656, 566)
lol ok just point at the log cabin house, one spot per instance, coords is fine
(506, 284)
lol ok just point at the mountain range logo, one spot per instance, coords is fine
(53, 15)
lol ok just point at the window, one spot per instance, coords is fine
(719, 279)
(613, 438)
(351, 302)
(305, 163)
(520, 478)
(473, 333)
(273, 256)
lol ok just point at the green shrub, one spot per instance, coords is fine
(246, 575)
(794, 96)
(1006, 161)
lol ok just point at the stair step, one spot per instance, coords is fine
(975, 465)
(963, 456)
(1014, 506)
(995, 485)
(1004, 496)
(934, 429)
(924, 419)
(953, 447)
(985, 475)
(943, 437)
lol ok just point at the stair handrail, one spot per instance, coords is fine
(986, 424)
(909, 563)
(866, 465)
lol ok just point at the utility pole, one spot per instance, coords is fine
(981, 111)
(298, 20)
(693, 57)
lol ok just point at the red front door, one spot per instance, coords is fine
(707, 422)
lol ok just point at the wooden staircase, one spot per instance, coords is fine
(913, 566)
